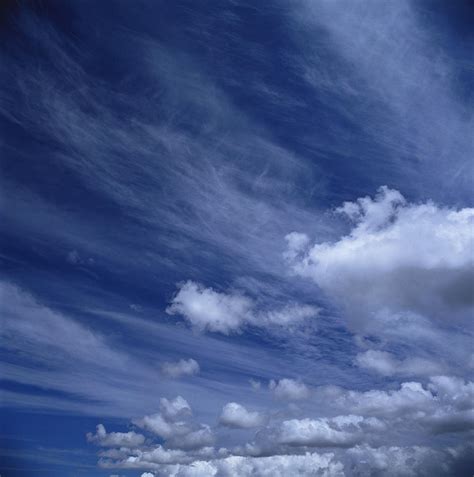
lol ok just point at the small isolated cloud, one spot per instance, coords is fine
(236, 415)
(207, 309)
(74, 258)
(255, 384)
(289, 389)
(115, 439)
(398, 257)
(387, 364)
(183, 367)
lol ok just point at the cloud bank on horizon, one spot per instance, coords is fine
(237, 239)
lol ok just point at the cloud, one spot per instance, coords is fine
(289, 389)
(151, 458)
(207, 309)
(398, 257)
(386, 56)
(318, 465)
(115, 439)
(387, 364)
(255, 384)
(236, 415)
(175, 409)
(35, 329)
(396, 461)
(174, 423)
(318, 433)
(445, 405)
(182, 367)
(376, 417)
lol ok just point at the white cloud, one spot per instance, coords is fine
(236, 415)
(396, 461)
(387, 364)
(445, 405)
(316, 433)
(182, 367)
(175, 425)
(115, 439)
(174, 409)
(289, 389)
(411, 397)
(256, 385)
(170, 421)
(207, 309)
(397, 257)
(314, 464)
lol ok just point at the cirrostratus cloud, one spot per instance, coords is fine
(398, 257)
(209, 310)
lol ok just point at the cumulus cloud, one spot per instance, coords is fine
(174, 424)
(182, 367)
(387, 364)
(236, 415)
(289, 389)
(396, 461)
(115, 439)
(175, 408)
(319, 432)
(445, 405)
(207, 309)
(398, 256)
(322, 465)
(256, 385)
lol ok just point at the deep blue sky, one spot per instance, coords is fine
(155, 157)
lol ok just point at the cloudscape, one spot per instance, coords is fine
(237, 238)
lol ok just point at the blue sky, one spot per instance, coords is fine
(236, 238)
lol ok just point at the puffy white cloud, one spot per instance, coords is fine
(387, 364)
(183, 367)
(397, 257)
(115, 439)
(174, 409)
(256, 385)
(445, 405)
(174, 424)
(454, 390)
(313, 464)
(339, 431)
(236, 415)
(150, 458)
(289, 389)
(396, 461)
(411, 397)
(147, 474)
(316, 433)
(207, 309)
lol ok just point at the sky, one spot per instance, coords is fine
(237, 238)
